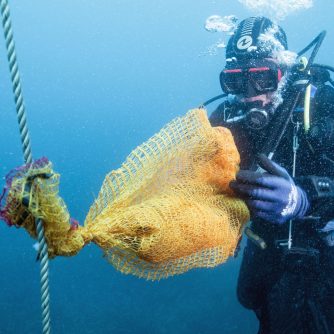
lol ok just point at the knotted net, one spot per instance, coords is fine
(166, 210)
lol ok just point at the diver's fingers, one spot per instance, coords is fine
(249, 191)
(272, 167)
(248, 176)
(258, 205)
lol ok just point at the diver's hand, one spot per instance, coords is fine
(272, 195)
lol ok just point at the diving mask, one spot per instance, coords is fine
(263, 75)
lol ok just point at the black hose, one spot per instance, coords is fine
(218, 97)
(319, 39)
(316, 40)
(326, 67)
(291, 98)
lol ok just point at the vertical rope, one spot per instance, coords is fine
(21, 116)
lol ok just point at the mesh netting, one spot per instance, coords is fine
(168, 209)
(32, 192)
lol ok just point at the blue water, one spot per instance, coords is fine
(99, 78)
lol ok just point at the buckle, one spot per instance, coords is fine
(281, 243)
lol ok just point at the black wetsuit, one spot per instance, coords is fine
(292, 291)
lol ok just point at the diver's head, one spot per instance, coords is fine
(256, 38)
(253, 69)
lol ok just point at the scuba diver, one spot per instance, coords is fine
(280, 110)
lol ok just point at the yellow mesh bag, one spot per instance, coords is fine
(168, 209)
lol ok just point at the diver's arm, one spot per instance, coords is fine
(321, 134)
(320, 189)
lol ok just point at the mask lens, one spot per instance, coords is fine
(263, 79)
(233, 81)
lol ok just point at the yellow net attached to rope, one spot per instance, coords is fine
(168, 209)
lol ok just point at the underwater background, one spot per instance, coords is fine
(99, 78)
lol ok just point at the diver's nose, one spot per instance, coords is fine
(250, 91)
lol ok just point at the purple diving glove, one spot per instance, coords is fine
(271, 195)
